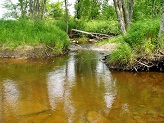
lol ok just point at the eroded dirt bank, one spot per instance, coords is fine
(29, 52)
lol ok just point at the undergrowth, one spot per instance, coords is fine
(141, 39)
(22, 32)
(99, 26)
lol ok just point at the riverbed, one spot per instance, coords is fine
(78, 88)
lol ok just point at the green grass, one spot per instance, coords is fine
(122, 55)
(116, 39)
(142, 31)
(22, 32)
(141, 38)
(62, 24)
(99, 26)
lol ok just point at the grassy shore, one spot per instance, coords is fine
(14, 33)
(140, 49)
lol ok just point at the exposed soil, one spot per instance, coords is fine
(155, 62)
(105, 47)
(29, 52)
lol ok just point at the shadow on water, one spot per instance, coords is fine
(77, 88)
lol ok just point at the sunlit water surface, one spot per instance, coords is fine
(78, 88)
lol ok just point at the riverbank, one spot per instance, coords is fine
(28, 39)
(141, 49)
(30, 52)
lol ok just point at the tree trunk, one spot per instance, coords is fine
(161, 32)
(126, 14)
(66, 18)
(120, 16)
(130, 9)
(31, 8)
(43, 9)
(153, 8)
(124, 11)
(21, 7)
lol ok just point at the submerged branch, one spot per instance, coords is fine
(36, 113)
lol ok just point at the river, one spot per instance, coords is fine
(78, 88)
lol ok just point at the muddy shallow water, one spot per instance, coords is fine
(78, 88)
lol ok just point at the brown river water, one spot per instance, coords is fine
(78, 88)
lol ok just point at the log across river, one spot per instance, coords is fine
(77, 88)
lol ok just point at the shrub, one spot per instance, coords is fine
(122, 55)
(142, 31)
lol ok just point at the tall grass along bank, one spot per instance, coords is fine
(140, 49)
(16, 33)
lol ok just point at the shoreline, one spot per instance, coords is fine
(30, 52)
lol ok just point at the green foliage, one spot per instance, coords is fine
(55, 10)
(142, 31)
(122, 55)
(161, 40)
(62, 24)
(15, 33)
(118, 39)
(108, 11)
(99, 26)
(144, 9)
(87, 9)
(141, 38)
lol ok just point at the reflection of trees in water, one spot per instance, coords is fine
(93, 89)
(85, 64)
(83, 84)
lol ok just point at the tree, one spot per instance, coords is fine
(35, 9)
(124, 11)
(12, 11)
(107, 11)
(147, 9)
(66, 11)
(87, 9)
(56, 10)
(161, 32)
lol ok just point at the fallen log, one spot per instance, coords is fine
(96, 36)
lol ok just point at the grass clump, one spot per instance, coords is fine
(122, 55)
(142, 31)
(22, 32)
(118, 39)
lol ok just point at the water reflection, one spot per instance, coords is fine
(11, 94)
(78, 88)
(79, 84)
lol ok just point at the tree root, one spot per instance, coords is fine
(142, 63)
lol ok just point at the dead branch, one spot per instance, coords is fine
(97, 36)
(143, 64)
(49, 47)
(36, 113)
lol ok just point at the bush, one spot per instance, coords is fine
(122, 55)
(14, 33)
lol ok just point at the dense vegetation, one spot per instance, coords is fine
(141, 40)
(22, 32)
